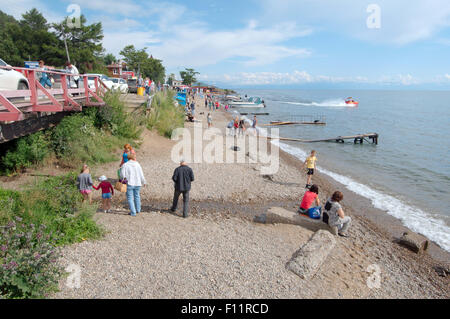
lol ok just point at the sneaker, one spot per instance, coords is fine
(105, 211)
(343, 235)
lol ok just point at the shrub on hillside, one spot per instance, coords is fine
(28, 261)
(28, 151)
(165, 115)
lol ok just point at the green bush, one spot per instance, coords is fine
(10, 204)
(28, 151)
(76, 140)
(115, 117)
(34, 222)
(28, 261)
(165, 116)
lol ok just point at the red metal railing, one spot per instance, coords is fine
(40, 99)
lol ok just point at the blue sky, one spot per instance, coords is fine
(321, 43)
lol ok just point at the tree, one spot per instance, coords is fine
(34, 20)
(29, 38)
(109, 59)
(170, 79)
(84, 43)
(139, 60)
(188, 76)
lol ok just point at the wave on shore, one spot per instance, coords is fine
(412, 217)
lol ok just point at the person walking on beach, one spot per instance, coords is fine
(107, 193)
(254, 125)
(183, 176)
(311, 196)
(147, 86)
(85, 183)
(127, 150)
(193, 109)
(242, 127)
(235, 126)
(209, 119)
(132, 172)
(334, 214)
(310, 164)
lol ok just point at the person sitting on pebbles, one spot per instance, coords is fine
(334, 215)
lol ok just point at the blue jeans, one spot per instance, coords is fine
(134, 199)
(45, 81)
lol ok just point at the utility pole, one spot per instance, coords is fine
(65, 43)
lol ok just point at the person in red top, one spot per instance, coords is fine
(107, 193)
(311, 196)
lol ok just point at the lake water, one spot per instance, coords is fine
(407, 174)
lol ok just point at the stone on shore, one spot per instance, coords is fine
(308, 259)
(415, 242)
(278, 215)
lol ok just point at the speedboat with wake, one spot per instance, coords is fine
(351, 102)
(253, 102)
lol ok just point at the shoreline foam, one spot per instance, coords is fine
(410, 216)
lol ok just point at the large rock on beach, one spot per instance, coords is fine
(278, 215)
(308, 259)
(415, 242)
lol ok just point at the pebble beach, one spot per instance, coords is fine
(220, 252)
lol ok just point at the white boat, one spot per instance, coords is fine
(253, 102)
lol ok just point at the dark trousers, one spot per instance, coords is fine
(176, 196)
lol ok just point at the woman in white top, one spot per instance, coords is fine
(132, 172)
(74, 80)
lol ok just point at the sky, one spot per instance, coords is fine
(277, 43)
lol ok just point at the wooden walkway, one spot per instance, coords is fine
(371, 138)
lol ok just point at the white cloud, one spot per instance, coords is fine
(115, 41)
(18, 7)
(447, 76)
(402, 21)
(197, 45)
(303, 77)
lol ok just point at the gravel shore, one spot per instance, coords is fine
(218, 254)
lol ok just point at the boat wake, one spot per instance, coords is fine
(326, 103)
(412, 217)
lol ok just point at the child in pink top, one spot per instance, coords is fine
(107, 193)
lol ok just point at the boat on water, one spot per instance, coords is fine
(351, 102)
(252, 102)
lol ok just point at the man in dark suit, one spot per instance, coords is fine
(182, 177)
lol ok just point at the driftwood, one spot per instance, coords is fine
(415, 242)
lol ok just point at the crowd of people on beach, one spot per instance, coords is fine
(131, 174)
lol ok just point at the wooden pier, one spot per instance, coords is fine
(371, 138)
(277, 123)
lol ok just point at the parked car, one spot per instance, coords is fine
(102, 77)
(132, 85)
(11, 79)
(119, 85)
